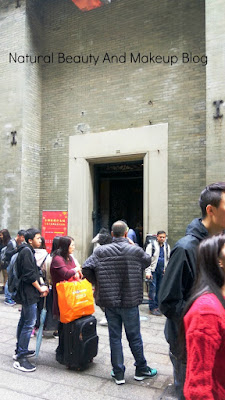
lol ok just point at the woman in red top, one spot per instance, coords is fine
(204, 325)
(62, 269)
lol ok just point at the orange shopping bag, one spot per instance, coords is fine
(75, 300)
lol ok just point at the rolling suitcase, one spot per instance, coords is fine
(80, 342)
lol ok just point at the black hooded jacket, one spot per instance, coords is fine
(30, 272)
(178, 280)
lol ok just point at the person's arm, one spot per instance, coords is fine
(202, 344)
(29, 269)
(176, 283)
(10, 251)
(89, 267)
(43, 289)
(59, 266)
(148, 271)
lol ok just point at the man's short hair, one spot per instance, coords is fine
(21, 232)
(30, 234)
(211, 195)
(161, 233)
(119, 228)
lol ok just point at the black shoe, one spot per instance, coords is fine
(24, 365)
(145, 373)
(118, 378)
(29, 354)
(155, 312)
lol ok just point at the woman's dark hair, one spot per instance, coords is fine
(63, 247)
(6, 237)
(55, 244)
(43, 246)
(105, 236)
(210, 277)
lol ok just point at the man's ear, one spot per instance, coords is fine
(209, 210)
(30, 241)
(112, 233)
(125, 234)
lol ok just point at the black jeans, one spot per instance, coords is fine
(179, 372)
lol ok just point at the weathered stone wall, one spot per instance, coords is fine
(79, 98)
(20, 112)
(12, 38)
(31, 150)
(215, 83)
(63, 99)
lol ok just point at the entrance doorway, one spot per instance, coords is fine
(118, 194)
(149, 145)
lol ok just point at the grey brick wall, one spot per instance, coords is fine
(11, 112)
(117, 95)
(215, 81)
(21, 112)
(60, 100)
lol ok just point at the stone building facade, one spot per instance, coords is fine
(70, 78)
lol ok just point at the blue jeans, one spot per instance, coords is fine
(131, 320)
(8, 295)
(154, 285)
(25, 327)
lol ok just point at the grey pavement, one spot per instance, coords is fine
(52, 381)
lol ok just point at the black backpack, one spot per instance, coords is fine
(152, 239)
(13, 279)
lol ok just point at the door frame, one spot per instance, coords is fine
(149, 143)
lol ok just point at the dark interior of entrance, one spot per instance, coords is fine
(118, 194)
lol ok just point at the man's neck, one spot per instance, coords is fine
(211, 228)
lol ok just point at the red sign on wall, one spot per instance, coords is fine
(54, 223)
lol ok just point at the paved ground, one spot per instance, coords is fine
(53, 381)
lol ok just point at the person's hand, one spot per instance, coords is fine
(78, 273)
(149, 275)
(44, 291)
(130, 241)
(44, 294)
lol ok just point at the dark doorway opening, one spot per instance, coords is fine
(118, 189)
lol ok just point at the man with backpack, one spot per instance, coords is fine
(31, 288)
(159, 250)
(11, 249)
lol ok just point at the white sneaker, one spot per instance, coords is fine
(24, 365)
(103, 322)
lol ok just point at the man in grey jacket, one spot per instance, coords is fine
(159, 250)
(116, 270)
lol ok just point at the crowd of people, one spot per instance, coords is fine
(186, 285)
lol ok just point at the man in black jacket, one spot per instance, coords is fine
(181, 270)
(30, 289)
(116, 270)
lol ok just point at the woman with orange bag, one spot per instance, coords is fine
(62, 269)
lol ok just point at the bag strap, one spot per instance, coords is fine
(43, 261)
